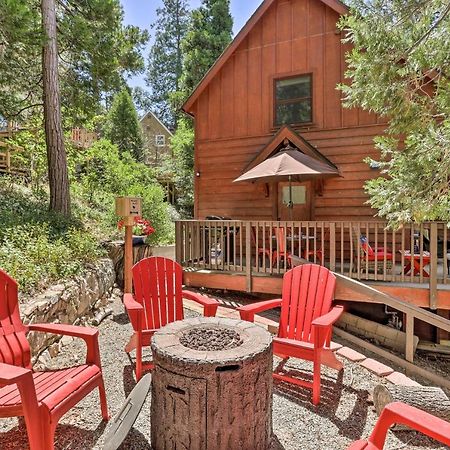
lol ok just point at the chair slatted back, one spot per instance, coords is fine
(308, 292)
(158, 287)
(14, 346)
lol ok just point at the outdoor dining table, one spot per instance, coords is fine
(412, 262)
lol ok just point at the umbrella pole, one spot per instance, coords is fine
(290, 198)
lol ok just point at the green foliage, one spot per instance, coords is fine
(96, 53)
(165, 59)
(122, 125)
(183, 165)
(104, 175)
(399, 69)
(209, 34)
(38, 247)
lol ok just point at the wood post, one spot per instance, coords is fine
(128, 256)
(433, 265)
(409, 346)
(332, 246)
(178, 241)
(248, 256)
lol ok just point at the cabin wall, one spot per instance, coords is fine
(234, 116)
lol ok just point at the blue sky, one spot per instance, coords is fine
(143, 13)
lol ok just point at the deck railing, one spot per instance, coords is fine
(360, 250)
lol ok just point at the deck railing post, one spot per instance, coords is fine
(248, 255)
(178, 241)
(332, 246)
(433, 265)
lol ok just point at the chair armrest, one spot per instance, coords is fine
(401, 413)
(10, 374)
(89, 335)
(134, 310)
(248, 312)
(329, 318)
(209, 304)
(131, 304)
(65, 330)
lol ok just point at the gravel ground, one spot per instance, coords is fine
(344, 415)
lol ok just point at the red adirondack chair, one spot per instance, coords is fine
(281, 251)
(305, 322)
(41, 397)
(157, 301)
(400, 413)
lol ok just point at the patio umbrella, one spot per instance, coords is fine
(290, 165)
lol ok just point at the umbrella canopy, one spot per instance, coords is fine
(291, 165)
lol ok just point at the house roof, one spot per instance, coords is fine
(277, 141)
(336, 5)
(150, 113)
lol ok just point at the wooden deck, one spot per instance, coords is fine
(239, 255)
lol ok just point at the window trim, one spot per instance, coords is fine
(276, 103)
(156, 140)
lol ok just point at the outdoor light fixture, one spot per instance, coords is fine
(197, 174)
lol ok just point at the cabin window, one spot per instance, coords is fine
(293, 100)
(160, 140)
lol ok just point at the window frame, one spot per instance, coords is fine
(156, 140)
(296, 100)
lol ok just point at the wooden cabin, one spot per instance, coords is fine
(276, 85)
(283, 68)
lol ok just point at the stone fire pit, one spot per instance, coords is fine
(211, 386)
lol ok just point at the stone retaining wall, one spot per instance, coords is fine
(72, 302)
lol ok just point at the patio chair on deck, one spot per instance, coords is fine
(157, 301)
(400, 413)
(306, 321)
(41, 397)
(371, 258)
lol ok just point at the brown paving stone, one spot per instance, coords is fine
(376, 367)
(351, 354)
(401, 379)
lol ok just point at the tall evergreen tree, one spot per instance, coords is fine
(122, 125)
(69, 52)
(209, 34)
(165, 63)
(399, 69)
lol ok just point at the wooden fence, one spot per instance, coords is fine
(359, 250)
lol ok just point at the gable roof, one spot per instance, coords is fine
(336, 5)
(150, 113)
(277, 141)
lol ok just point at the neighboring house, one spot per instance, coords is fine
(156, 140)
(157, 147)
(281, 69)
(83, 138)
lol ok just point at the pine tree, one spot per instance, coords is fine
(68, 53)
(399, 69)
(165, 59)
(122, 125)
(209, 34)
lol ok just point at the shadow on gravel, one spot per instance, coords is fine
(275, 444)
(135, 441)
(331, 393)
(121, 319)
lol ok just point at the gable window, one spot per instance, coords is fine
(293, 100)
(160, 140)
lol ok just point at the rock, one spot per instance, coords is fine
(67, 303)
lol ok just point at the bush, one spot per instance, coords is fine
(104, 174)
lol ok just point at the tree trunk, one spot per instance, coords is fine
(430, 399)
(56, 153)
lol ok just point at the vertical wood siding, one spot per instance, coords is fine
(234, 115)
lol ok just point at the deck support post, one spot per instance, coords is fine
(178, 241)
(409, 345)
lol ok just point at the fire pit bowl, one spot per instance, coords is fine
(211, 385)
